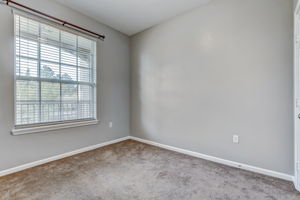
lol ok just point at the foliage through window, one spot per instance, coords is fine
(55, 74)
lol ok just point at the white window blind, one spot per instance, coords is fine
(55, 74)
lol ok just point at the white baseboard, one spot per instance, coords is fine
(57, 157)
(179, 150)
(297, 186)
(219, 160)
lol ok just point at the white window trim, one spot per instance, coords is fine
(22, 131)
(296, 97)
(55, 125)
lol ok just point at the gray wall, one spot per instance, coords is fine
(113, 93)
(222, 69)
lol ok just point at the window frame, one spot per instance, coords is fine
(61, 124)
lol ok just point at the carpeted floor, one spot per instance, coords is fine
(131, 170)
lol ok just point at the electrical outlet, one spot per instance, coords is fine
(235, 139)
(110, 124)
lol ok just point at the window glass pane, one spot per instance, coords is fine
(26, 67)
(84, 60)
(49, 70)
(85, 101)
(27, 28)
(27, 90)
(68, 73)
(49, 53)
(26, 48)
(68, 40)
(69, 57)
(27, 102)
(50, 101)
(69, 101)
(84, 75)
(50, 91)
(84, 45)
(85, 93)
(49, 35)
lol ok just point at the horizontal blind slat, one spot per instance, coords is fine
(59, 66)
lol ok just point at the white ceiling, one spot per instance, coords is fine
(132, 16)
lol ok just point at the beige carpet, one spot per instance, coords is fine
(132, 170)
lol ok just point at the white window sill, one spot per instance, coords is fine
(37, 129)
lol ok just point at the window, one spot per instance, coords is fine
(55, 74)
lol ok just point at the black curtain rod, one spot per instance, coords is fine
(63, 23)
